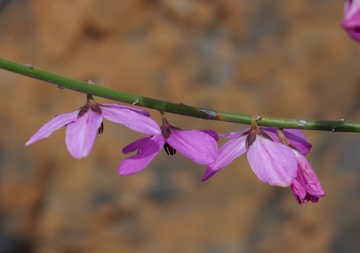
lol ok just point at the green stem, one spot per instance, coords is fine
(186, 110)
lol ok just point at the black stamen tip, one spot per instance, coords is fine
(169, 150)
(101, 128)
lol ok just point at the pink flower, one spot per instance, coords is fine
(200, 146)
(351, 19)
(83, 125)
(306, 186)
(272, 162)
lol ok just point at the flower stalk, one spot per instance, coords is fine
(181, 109)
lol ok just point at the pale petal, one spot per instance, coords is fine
(227, 153)
(81, 135)
(197, 145)
(143, 112)
(54, 124)
(131, 119)
(149, 148)
(351, 9)
(294, 136)
(233, 135)
(273, 163)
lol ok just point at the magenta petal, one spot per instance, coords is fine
(313, 182)
(233, 135)
(273, 163)
(81, 135)
(148, 149)
(197, 145)
(306, 186)
(212, 134)
(311, 198)
(135, 145)
(131, 119)
(298, 187)
(353, 32)
(298, 140)
(54, 124)
(351, 20)
(143, 112)
(227, 153)
(294, 136)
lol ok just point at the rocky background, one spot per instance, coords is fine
(279, 58)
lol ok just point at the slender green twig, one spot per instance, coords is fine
(182, 109)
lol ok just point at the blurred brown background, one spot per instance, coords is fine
(280, 58)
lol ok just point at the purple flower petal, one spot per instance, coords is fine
(351, 7)
(306, 186)
(233, 135)
(351, 11)
(197, 145)
(143, 112)
(212, 134)
(135, 145)
(54, 124)
(351, 20)
(148, 148)
(81, 134)
(227, 153)
(294, 136)
(273, 163)
(298, 187)
(131, 119)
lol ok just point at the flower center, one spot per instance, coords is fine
(95, 108)
(254, 132)
(89, 105)
(166, 131)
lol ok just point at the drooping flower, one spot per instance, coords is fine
(272, 162)
(83, 125)
(200, 146)
(306, 186)
(351, 19)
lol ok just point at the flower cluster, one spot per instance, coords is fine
(276, 157)
(351, 19)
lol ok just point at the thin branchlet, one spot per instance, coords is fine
(325, 125)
